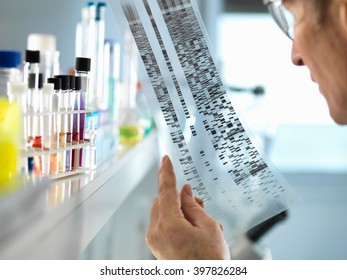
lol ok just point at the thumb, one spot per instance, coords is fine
(191, 209)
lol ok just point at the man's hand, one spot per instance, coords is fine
(179, 227)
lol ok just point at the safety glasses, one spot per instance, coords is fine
(282, 16)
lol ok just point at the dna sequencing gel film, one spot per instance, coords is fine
(197, 124)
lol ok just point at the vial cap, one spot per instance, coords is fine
(42, 42)
(32, 56)
(10, 59)
(16, 88)
(97, 11)
(82, 64)
(48, 89)
(56, 82)
(32, 78)
(72, 82)
(78, 83)
(65, 81)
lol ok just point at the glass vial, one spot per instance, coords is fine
(10, 69)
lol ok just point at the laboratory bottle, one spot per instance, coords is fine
(49, 56)
(16, 92)
(10, 123)
(145, 116)
(111, 78)
(131, 131)
(96, 33)
(10, 69)
(82, 36)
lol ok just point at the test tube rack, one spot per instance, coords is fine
(41, 157)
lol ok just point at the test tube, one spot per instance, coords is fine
(70, 100)
(63, 123)
(55, 119)
(35, 121)
(61, 154)
(31, 66)
(82, 68)
(34, 104)
(76, 126)
(47, 95)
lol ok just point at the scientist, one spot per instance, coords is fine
(179, 228)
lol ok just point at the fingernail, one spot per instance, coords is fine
(163, 158)
(188, 190)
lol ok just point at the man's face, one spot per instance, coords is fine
(322, 47)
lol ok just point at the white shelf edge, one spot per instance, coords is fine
(64, 232)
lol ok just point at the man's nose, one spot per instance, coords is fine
(296, 56)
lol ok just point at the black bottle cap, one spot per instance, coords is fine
(82, 64)
(78, 83)
(65, 81)
(56, 82)
(72, 82)
(31, 80)
(32, 56)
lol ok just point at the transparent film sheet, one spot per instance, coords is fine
(197, 124)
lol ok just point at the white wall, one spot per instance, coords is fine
(19, 18)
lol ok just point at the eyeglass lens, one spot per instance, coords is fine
(283, 17)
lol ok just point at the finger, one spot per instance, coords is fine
(154, 216)
(192, 211)
(169, 200)
(199, 201)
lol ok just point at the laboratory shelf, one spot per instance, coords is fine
(57, 220)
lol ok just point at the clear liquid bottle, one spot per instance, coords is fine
(81, 40)
(131, 131)
(10, 69)
(145, 116)
(111, 78)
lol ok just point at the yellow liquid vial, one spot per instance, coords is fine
(10, 128)
(130, 134)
